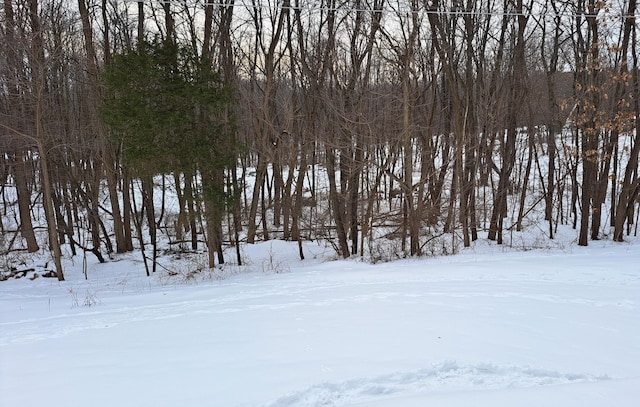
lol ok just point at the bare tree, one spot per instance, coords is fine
(630, 186)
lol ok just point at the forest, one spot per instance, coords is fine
(387, 128)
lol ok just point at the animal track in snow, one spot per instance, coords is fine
(441, 377)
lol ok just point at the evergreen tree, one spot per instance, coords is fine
(165, 108)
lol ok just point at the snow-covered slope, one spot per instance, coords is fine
(552, 328)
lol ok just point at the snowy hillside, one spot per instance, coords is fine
(485, 328)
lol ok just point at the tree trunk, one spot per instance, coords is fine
(38, 66)
(337, 202)
(126, 208)
(252, 226)
(213, 188)
(24, 204)
(148, 204)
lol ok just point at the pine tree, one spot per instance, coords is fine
(165, 108)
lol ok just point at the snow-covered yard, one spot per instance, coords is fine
(484, 328)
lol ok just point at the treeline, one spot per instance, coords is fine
(354, 121)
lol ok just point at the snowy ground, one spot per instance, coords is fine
(485, 328)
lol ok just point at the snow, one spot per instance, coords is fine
(487, 327)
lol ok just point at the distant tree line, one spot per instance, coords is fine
(357, 121)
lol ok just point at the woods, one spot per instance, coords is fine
(388, 128)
